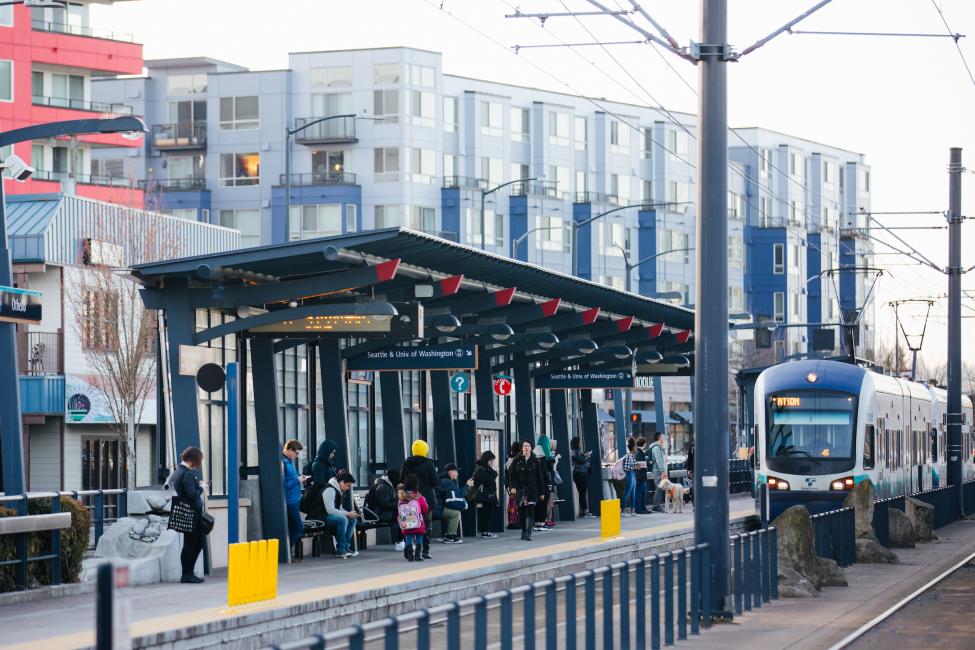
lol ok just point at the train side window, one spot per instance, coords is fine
(868, 447)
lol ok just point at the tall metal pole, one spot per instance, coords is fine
(287, 183)
(711, 314)
(11, 429)
(483, 196)
(954, 324)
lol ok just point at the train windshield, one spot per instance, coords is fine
(810, 428)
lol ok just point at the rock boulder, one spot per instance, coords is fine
(793, 585)
(861, 500)
(831, 573)
(145, 545)
(797, 551)
(901, 529)
(870, 551)
(921, 515)
(144, 502)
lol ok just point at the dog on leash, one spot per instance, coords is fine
(674, 494)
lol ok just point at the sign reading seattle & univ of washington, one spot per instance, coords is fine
(566, 379)
(20, 306)
(434, 357)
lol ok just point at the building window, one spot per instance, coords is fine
(581, 133)
(187, 214)
(185, 114)
(619, 141)
(796, 166)
(248, 222)
(765, 212)
(386, 73)
(186, 84)
(422, 166)
(551, 233)
(736, 250)
(312, 221)
(420, 75)
(491, 119)
(558, 128)
(765, 160)
(678, 194)
(520, 122)
(796, 311)
(450, 114)
(679, 144)
(388, 216)
(67, 90)
(386, 163)
(99, 319)
(794, 254)
(6, 81)
(491, 170)
(37, 86)
(562, 177)
(450, 167)
(333, 77)
(736, 299)
(328, 104)
(646, 192)
(239, 169)
(239, 113)
(6, 16)
(582, 183)
(329, 163)
(647, 143)
(613, 239)
(423, 219)
(778, 307)
(421, 108)
(778, 258)
(386, 105)
(493, 227)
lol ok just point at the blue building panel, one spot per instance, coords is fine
(814, 266)
(42, 394)
(518, 209)
(450, 209)
(312, 195)
(581, 212)
(647, 245)
(760, 282)
(198, 200)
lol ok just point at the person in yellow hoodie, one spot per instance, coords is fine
(420, 466)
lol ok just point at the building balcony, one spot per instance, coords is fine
(174, 185)
(466, 182)
(78, 30)
(82, 105)
(538, 188)
(85, 48)
(39, 353)
(320, 178)
(180, 136)
(84, 179)
(335, 131)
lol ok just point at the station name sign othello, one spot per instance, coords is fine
(20, 306)
(585, 379)
(434, 357)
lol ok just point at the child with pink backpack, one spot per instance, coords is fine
(410, 511)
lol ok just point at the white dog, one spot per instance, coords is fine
(674, 493)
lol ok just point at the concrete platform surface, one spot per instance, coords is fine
(821, 622)
(157, 609)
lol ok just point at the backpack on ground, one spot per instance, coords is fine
(409, 515)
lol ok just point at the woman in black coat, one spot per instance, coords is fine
(527, 479)
(485, 485)
(189, 489)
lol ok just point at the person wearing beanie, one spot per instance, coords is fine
(420, 466)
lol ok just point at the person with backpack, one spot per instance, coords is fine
(484, 486)
(451, 501)
(420, 466)
(642, 490)
(292, 494)
(336, 515)
(527, 487)
(411, 514)
(629, 478)
(381, 499)
(321, 469)
(581, 470)
(658, 467)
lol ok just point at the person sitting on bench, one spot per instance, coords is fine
(336, 515)
(450, 502)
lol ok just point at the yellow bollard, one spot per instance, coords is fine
(234, 568)
(250, 591)
(260, 571)
(609, 518)
(272, 569)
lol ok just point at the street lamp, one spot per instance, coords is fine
(515, 242)
(577, 225)
(11, 430)
(648, 258)
(484, 194)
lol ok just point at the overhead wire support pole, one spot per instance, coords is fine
(954, 415)
(785, 28)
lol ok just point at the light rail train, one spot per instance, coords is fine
(823, 426)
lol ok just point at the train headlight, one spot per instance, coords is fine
(842, 484)
(777, 484)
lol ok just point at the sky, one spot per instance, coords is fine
(902, 102)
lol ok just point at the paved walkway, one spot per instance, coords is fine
(68, 622)
(822, 622)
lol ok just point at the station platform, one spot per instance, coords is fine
(327, 593)
(803, 623)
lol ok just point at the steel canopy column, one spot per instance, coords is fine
(391, 394)
(711, 524)
(621, 434)
(180, 326)
(484, 386)
(524, 407)
(560, 434)
(273, 514)
(658, 403)
(11, 426)
(443, 418)
(333, 400)
(590, 434)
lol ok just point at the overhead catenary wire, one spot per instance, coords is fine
(961, 54)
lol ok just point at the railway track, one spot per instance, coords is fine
(939, 613)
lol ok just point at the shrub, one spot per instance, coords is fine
(74, 543)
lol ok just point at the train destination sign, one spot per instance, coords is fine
(585, 379)
(434, 357)
(20, 306)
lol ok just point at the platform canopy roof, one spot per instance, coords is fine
(479, 289)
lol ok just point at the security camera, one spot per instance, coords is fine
(17, 168)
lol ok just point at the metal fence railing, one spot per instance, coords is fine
(754, 561)
(609, 603)
(740, 476)
(834, 535)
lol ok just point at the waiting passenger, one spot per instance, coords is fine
(581, 470)
(420, 466)
(382, 500)
(321, 469)
(512, 508)
(451, 500)
(484, 484)
(343, 519)
(527, 487)
(292, 494)
(412, 512)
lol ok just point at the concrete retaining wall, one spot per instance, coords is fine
(259, 629)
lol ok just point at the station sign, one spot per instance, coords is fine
(434, 357)
(460, 382)
(567, 379)
(408, 323)
(503, 385)
(20, 306)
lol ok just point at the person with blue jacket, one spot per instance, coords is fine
(292, 492)
(451, 500)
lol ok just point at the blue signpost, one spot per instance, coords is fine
(233, 453)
